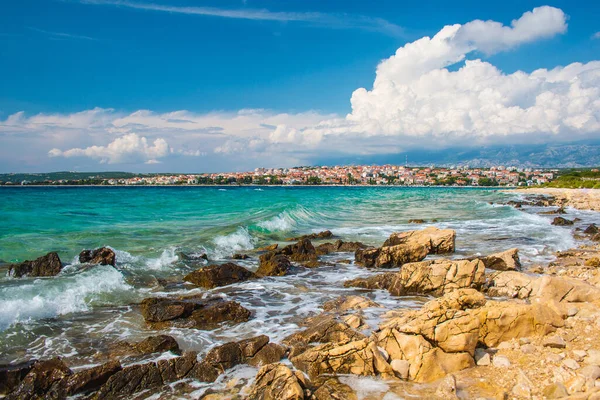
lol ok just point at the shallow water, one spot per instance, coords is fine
(85, 309)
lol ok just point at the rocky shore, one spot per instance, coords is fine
(582, 199)
(488, 329)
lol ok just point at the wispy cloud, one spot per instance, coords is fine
(596, 35)
(336, 21)
(61, 35)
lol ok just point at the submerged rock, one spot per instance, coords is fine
(102, 256)
(592, 229)
(504, 261)
(48, 265)
(219, 275)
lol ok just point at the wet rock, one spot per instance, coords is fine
(505, 261)
(277, 381)
(345, 303)
(333, 389)
(192, 312)
(560, 221)
(301, 252)
(437, 241)
(592, 229)
(130, 380)
(390, 256)
(255, 351)
(272, 264)
(321, 235)
(11, 375)
(211, 315)
(323, 329)
(177, 368)
(339, 246)
(157, 344)
(559, 210)
(270, 247)
(102, 256)
(43, 377)
(416, 221)
(427, 277)
(90, 379)
(48, 265)
(213, 276)
(159, 309)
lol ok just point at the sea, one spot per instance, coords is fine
(155, 231)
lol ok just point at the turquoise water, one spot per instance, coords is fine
(84, 308)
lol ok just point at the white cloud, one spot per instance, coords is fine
(596, 35)
(125, 149)
(416, 102)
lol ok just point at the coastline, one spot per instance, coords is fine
(581, 199)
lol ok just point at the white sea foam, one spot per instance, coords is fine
(166, 259)
(239, 240)
(51, 297)
(365, 386)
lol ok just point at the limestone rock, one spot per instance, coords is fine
(276, 382)
(48, 265)
(505, 261)
(345, 303)
(90, 379)
(321, 235)
(210, 316)
(510, 284)
(102, 256)
(555, 342)
(391, 256)
(213, 276)
(300, 252)
(435, 277)
(43, 377)
(555, 391)
(11, 375)
(157, 344)
(333, 389)
(437, 241)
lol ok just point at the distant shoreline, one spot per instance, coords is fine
(271, 186)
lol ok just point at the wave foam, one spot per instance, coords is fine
(47, 298)
(167, 258)
(239, 240)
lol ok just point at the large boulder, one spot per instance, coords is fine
(102, 256)
(273, 264)
(211, 315)
(256, 351)
(157, 344)
(437, 241)
(346, 303)
(301, 252)
(504, 261)
(219, 275)
(278, 382)
(435, 277)
(391, 256)
(160, 309)
(48, 265)
(510, 284)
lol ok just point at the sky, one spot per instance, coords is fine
(224, 85)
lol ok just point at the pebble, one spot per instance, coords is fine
(590, 372)
(505, 346)
(501, 361)
(570, 363)
(484, 360)
(554, 358)
(555, 342)
(555, 391)
(579, 354)
(528, 348)
(572, 311)
(593, 357)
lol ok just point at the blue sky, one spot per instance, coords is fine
(290, 58)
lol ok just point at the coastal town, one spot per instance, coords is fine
(325, 175)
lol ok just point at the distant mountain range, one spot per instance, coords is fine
(543, 156)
